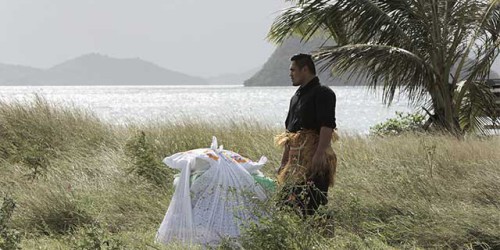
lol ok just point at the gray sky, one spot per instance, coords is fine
(202, 38)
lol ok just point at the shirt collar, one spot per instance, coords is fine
(304, 88)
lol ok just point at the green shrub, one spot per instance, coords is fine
(399, 125)
(144, 161)
(93, 237)
(281, 227)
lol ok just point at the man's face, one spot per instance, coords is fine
(297, 75)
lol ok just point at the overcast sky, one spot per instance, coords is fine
(202, 38)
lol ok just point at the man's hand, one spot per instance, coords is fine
(318, 161)
(319, 157)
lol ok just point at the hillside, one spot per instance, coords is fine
(9, 73)
(275, 71)
(96, 69)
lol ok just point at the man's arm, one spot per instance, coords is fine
(325, 108)
(284, 158)
(325, 137)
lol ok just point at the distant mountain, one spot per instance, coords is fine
(232, 79)
(9, 73)
(275, 71)
(96, 69)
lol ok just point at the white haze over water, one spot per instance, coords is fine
(357, 108)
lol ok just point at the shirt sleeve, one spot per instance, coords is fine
(325, 107)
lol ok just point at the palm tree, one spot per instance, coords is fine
(438, 52)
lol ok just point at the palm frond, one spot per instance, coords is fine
(305, 19)
(475, 106)
(487, 49)
(461, 19)
(485, 20)
(492, 25)
(377, 21)
(481, 67)
(359, 21)
(394, 67)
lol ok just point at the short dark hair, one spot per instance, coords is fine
(304, 60)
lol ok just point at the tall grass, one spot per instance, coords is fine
(429, 191)
(36, 133)
(411, 191)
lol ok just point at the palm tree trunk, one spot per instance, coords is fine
(444, 117)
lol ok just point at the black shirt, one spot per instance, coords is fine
(312, 107)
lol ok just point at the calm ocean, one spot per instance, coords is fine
(357, 108)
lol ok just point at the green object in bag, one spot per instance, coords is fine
(267, 183)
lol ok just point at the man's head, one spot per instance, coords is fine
(302, 69)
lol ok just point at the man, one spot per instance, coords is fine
(308, 164)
